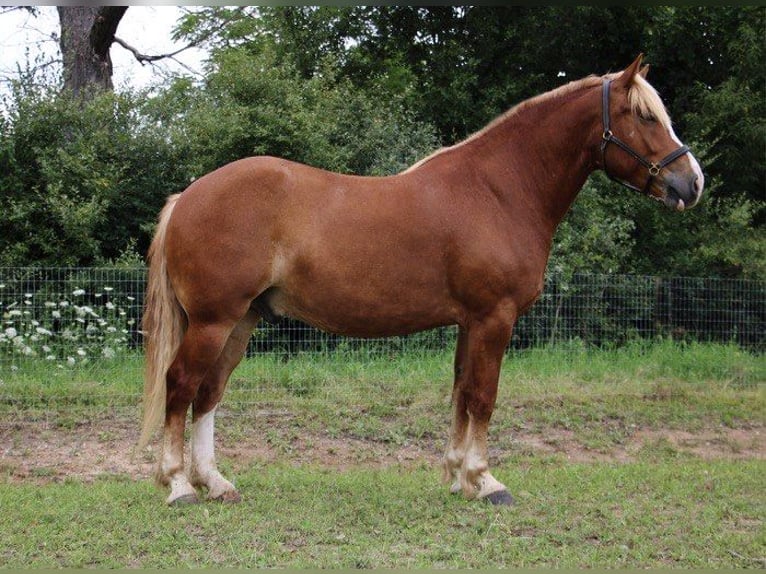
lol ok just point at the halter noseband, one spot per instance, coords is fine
(608, 137)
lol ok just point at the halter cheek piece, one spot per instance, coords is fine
(608, 137)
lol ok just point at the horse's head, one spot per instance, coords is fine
(638, 146)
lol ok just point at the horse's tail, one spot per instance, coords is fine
(163, 325)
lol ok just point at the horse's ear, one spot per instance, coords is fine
(626, 78)
(644, 71)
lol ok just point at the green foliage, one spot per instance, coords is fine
(594, 237)
(458, 67)
(321, 121)
(371, 89)
(84, 182)
(80, 178)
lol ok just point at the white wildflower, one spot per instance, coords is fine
(108, 288)
(82, 353)
(84, 310)
(64, 303)
(43, 331)
(109, 305)
(70, 361)
(11, 333)
(50, 358)
(14, 313)
(78, 292)
(55, 314)
(46, 349)
(108, 352)
(49, 304)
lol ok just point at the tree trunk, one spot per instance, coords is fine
(87, 33)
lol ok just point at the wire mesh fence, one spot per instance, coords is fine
(74, 319)
(70, 338)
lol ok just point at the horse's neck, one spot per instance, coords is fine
(540, 157)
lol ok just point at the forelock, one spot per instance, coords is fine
(645, 101)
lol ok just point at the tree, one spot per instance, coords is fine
(457, 67)
(87, 34)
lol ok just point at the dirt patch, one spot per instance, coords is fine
(49, 451)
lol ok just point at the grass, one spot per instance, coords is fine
(643, 514)
(662, 507)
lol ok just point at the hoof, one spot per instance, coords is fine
(499, 498)
(185, 500)
(228, 497)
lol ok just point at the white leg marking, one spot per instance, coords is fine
(453, 462)
(172, 469)
(476, 479)
(204, 469)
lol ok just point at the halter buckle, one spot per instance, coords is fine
(654, 170)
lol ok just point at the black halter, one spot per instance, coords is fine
(608, 137)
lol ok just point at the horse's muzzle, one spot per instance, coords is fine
(682, 190)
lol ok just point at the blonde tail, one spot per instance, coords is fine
(163, 326)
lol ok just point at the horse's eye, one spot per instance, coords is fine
(649, 117)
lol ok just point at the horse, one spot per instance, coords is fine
(460, 238)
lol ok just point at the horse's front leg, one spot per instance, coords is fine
(480, 350)
(456, 449)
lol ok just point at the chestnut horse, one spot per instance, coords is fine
(462, 237)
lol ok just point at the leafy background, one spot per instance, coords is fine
(369, 90)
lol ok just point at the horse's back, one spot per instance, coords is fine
(341, 252)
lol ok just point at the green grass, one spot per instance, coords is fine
(664, 513)
(663, 507)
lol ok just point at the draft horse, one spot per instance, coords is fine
(461, 237)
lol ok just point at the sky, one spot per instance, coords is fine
(146, 28)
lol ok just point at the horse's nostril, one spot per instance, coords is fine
(697, 185)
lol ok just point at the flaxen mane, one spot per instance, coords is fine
(643, 98)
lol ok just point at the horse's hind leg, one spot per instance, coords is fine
(204, 471)
(199, 351)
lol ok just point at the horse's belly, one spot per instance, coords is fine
(361, 315)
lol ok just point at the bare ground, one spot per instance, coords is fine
(45, 450)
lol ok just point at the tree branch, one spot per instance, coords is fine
(8, 9)
(143, 58)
